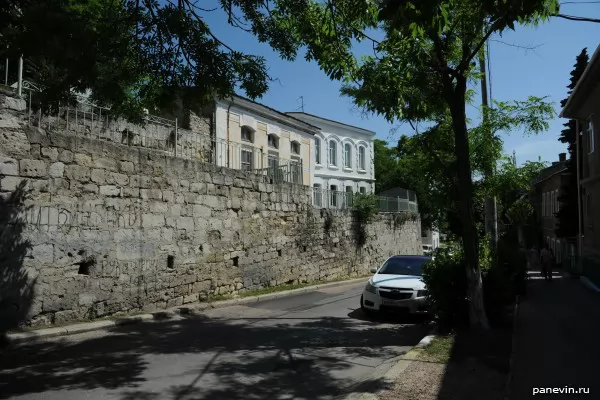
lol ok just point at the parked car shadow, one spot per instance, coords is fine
(390, 317)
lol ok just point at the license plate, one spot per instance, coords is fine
(387, 302)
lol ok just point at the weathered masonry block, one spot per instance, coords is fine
(90, 228)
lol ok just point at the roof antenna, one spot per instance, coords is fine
(301, 98)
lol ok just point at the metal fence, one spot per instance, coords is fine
(87, 119)
(332, 199)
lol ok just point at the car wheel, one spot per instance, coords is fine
(365, 310)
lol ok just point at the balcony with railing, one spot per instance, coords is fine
(330, 199)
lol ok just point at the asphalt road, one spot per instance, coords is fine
(317, 345)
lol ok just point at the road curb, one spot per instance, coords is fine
(166, 314)
(589, 284)
(399, 366)
(507, 388)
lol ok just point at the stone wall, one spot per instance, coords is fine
(90, 228)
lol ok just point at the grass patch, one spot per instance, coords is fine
(439, 350)
(465, 365)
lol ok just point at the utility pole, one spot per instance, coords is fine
(491, 217)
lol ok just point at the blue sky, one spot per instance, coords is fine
(516, 73)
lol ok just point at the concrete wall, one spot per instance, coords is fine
(103, 228)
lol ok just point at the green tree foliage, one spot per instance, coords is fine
(427, 163)
(386, 166)
(568, 217)
(135, 54)
(419, 71)
(511, 185)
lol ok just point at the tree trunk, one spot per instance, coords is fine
(477, 315)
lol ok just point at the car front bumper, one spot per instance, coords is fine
(413, 305)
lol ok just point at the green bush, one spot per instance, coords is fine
(365, 208)
(446, 282)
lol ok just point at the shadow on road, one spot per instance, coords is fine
(279, 358)
(390, 317)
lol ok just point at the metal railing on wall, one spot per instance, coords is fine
(84, 118)
(331, 199)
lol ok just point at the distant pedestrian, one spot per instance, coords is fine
(546, 259)
(533, 259)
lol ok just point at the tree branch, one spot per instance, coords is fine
(527, 48)
(467, 60)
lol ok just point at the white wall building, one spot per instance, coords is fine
(343, 156)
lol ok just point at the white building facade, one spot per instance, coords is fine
(257, 138)
(343, 156)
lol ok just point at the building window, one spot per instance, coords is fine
(362, 190)
(296, 170)
(590, 133)
(347, 156)
(273, 141)
(332, 153)
(247, 134)
(361, 158)
(543, 204)
(349, 195)
(247, 159)
(333, 196)
(273, 161)
(295, 147)
(556, 202)
(318, 150)
(318, 195)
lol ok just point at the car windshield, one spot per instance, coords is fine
(404, 266)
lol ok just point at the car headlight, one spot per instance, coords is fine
(422, 293)
(370, 288)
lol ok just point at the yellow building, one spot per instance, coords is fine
(250, 136)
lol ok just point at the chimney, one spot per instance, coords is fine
(562, 157)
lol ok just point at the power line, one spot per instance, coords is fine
(489, 73)
(580, 2)
(582, 19)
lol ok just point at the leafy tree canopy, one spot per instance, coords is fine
(419, 72)
(426, 162)
(136, 54)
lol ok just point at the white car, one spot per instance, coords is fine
(397, 284)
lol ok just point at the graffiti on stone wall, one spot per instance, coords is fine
(40, 217)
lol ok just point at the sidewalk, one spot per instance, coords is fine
(558, 340)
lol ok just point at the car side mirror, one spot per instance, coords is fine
(373, 270)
